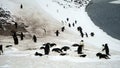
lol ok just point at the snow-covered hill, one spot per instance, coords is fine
(51, 15)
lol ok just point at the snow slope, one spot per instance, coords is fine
(84, 21)
(116, 2)
(48, 14)
(32, 15)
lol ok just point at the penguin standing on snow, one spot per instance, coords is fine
(57, 33)
(106, 48)
(21, 6)
(47, 49)
(21, 36)
(34, 38)
(79, 50)
(80, 30)
(1, 49)
(62, 29)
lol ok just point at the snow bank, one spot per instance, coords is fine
(115, 2)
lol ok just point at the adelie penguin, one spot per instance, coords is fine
(21, 6)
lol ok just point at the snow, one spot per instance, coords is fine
(48, 14)
(47, 62)
(81, 16)
(115, 2)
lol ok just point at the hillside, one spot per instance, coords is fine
(43, 18)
